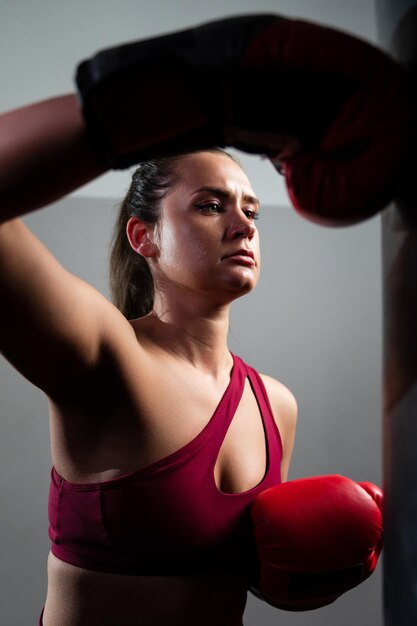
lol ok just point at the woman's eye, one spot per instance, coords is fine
(251, 215)
(209, 207)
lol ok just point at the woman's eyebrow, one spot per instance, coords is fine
(225, 194)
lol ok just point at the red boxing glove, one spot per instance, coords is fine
(327, 109)
(316, 538)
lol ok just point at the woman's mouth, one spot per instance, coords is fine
(241, 256)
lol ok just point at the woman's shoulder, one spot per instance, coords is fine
(285, 411)
(281, 398)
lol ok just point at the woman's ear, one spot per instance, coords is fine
(140, 236)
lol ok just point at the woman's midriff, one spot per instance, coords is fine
(79, 597)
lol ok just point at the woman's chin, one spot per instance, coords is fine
(240, 286)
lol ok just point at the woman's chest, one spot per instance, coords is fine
(153, 417)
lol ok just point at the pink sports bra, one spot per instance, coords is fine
(168, 518)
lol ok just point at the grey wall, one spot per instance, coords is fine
(314, 321)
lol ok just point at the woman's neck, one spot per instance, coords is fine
(194, 332)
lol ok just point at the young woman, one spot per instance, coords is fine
(161, 438)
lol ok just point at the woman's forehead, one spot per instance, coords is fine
(211, 169)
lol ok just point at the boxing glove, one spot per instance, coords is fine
(329, 110)
(316, 538)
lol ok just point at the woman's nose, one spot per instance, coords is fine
(240, 229)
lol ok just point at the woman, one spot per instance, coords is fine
(160, 437)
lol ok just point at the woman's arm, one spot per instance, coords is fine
(45, 154)
(53, 326)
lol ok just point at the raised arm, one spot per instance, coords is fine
(52, 325)
(44, 154)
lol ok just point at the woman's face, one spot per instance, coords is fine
(207, 241)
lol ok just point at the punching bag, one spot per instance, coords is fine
(397, 31)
